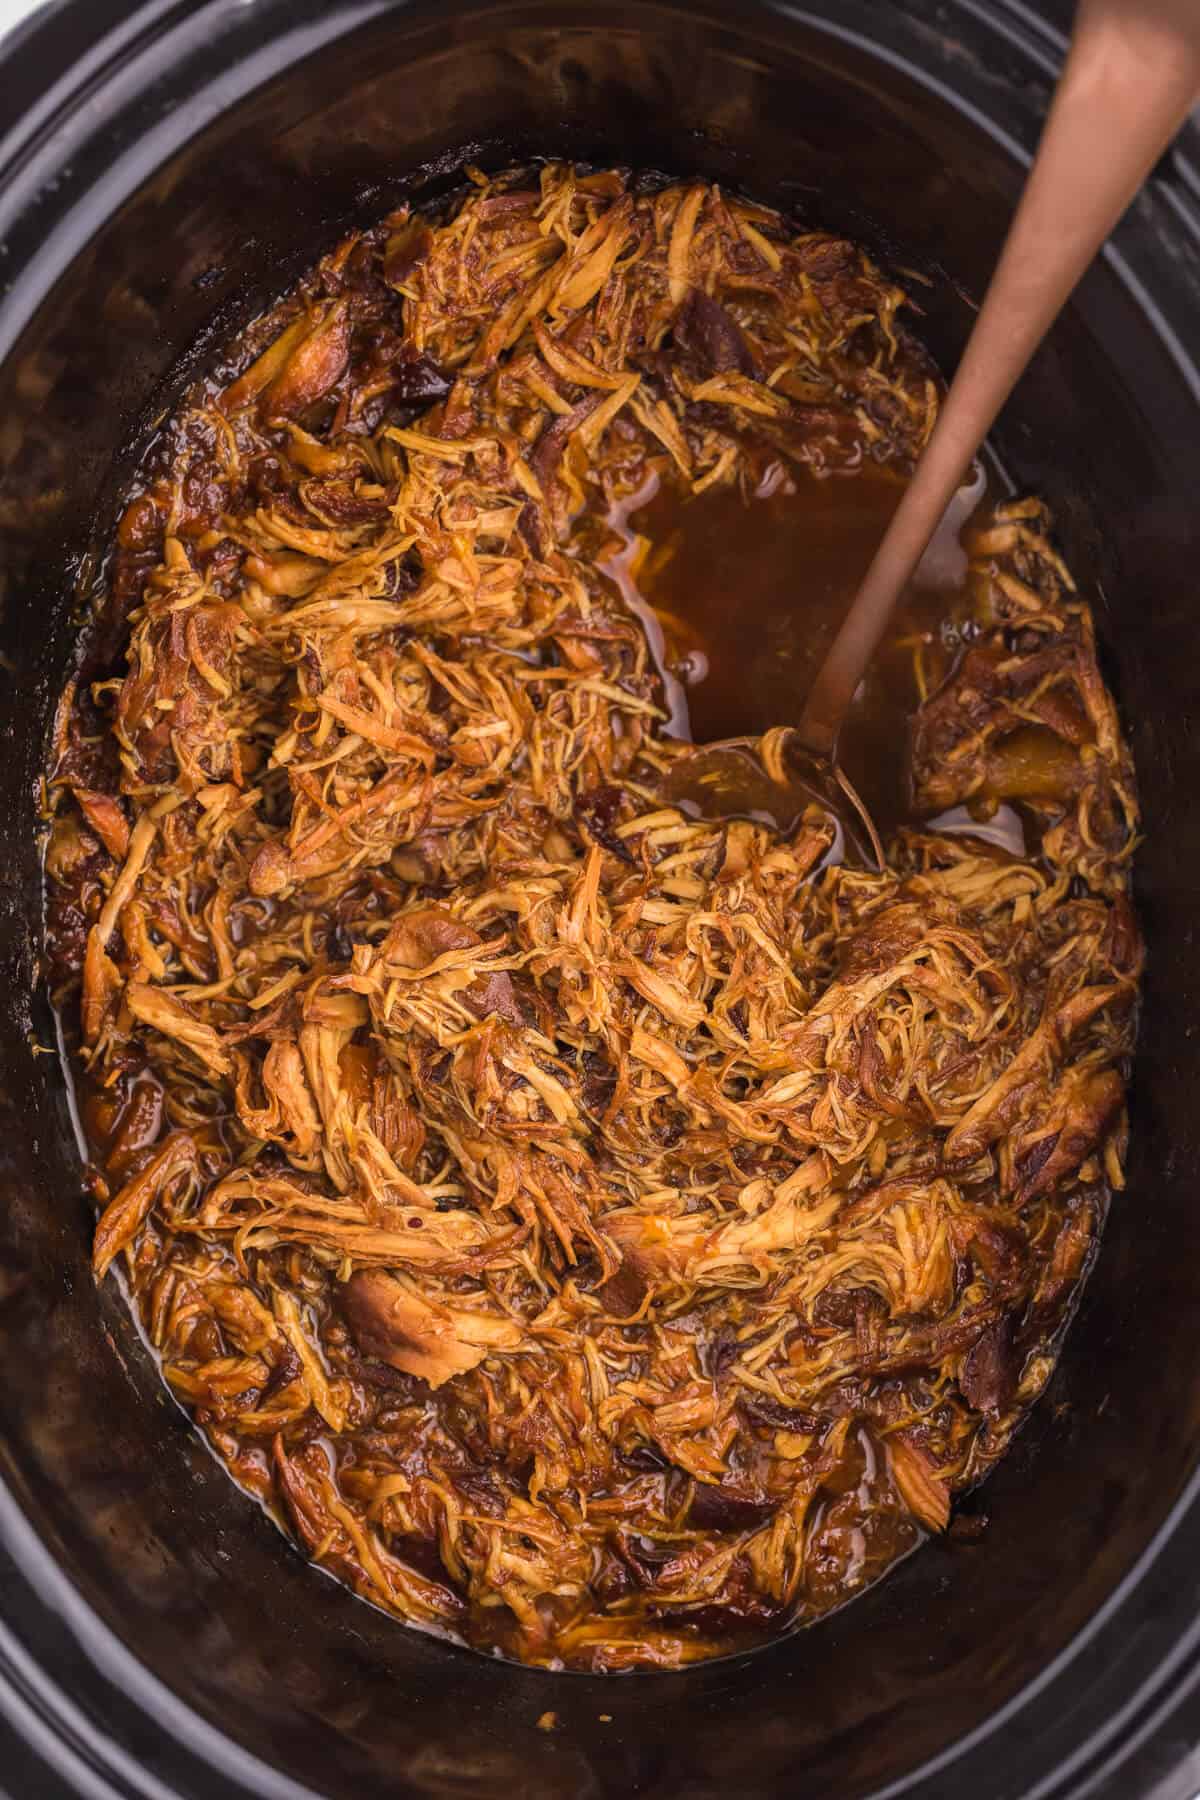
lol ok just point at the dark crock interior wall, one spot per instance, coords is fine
(187, 1572)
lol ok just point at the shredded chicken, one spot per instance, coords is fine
(603, 1233)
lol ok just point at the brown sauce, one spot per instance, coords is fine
(741, 595)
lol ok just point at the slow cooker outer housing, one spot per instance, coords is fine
(167, 169)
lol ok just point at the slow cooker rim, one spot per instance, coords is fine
(134, 44)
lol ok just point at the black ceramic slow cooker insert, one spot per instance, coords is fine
(166, 169)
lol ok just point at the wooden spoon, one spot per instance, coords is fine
(1132, 74)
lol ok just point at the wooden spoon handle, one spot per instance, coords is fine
(1132, 74)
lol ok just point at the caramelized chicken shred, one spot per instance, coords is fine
(607, 1235)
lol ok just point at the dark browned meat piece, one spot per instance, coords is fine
(396, 1326)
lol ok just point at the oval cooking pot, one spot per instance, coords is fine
(174, 165)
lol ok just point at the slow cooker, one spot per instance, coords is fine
(166, 168)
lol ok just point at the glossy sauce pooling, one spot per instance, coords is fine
(741, 593)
